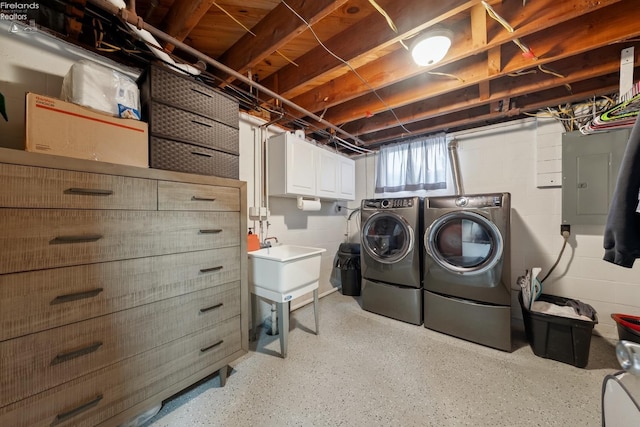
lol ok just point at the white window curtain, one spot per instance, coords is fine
(420, 164)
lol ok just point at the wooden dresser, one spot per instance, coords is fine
(119, 287)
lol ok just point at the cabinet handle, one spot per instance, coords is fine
(210, 269)
(76, 239)
(89, 191)
(63, 357)
(213, 307)
(201, 154)
(202, 350)
(200, 123)
(60, 418)
(200, 92)
(211, 231)
(203, 199)
(76, 296)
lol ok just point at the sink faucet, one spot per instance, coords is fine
(268, 244)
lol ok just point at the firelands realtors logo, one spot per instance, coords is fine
(18, 11)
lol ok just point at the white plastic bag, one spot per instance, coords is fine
(101, 88)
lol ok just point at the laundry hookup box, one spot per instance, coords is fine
(61, 128)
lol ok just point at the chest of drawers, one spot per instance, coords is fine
(119, 287)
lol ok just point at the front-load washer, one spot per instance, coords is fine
(391, 257)
(467, 290)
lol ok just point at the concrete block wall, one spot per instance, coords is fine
(504, 158)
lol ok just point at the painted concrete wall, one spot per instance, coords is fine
(503, 158)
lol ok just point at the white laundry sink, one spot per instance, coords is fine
(284, 268)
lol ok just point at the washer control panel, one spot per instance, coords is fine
(406, 202)
(472, 201)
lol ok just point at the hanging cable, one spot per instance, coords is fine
(366, 83)
(565, 235)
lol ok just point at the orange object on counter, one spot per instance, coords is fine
(253, 243)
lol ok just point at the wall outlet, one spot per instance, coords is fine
(565, 227)
(258, 213)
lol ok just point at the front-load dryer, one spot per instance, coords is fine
(391, 257)
(467, 290)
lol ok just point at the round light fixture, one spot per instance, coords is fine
(431, 47)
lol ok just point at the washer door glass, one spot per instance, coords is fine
(387, 237)
(464, 242)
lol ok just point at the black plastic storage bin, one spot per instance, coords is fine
(349, 264)
(555, 337)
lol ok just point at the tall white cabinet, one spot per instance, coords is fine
(299, 168)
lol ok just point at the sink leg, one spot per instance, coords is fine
(283, 326)
(254, 317)
(315, 309)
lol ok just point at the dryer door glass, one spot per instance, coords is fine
(386, 237)
(464, 242)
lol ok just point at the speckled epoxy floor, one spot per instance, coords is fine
(367, 370)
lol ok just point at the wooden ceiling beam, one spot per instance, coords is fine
(564, 41)
(399, 66)
(481, 114)
(183, 16)
(275, 30)
(478, 27)
(582, 67)
(371, 33)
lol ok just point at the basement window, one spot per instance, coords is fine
(417, 167)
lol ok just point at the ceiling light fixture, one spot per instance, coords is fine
(429, 48)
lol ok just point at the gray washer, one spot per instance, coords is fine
(467, 290)
(391, 257)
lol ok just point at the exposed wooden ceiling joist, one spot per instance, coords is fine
(482, 79)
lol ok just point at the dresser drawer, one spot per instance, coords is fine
(37, 300)
(181, 196)
(174, 123)
(32, 239)
(35, 187)
(58, 355)
(188, 94)
(178, 156)
(98, 396)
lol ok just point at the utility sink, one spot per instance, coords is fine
(280, 274)
(284, 268)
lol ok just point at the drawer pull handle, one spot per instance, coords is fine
(203, 199)
(89, 191)
(210, 269)
(211, 231)
(201, 154)
(78, 295)
(202, 350)
(213, 307)
(76, 239)
(60, 418)
(201, 93)
(201, 124)
(63, 357)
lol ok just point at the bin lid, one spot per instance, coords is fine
(349, 248)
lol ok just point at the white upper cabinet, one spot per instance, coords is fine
(347, 189)
(298, 168)
(327, 174)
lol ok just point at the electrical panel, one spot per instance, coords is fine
(590, 165)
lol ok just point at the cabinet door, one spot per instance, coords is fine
(301, 178)
(347, 173)
(328, 174)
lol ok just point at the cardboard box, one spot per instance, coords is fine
(64, 129)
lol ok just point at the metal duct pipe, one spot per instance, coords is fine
(455, 167)
(133, 19)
